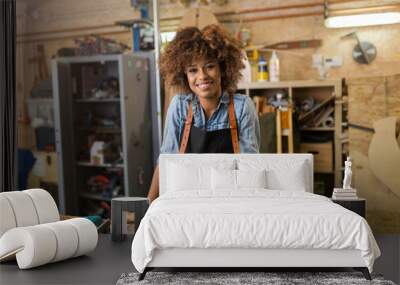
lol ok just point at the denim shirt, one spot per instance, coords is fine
(246, 118)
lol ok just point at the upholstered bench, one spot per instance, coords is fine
(31, 230)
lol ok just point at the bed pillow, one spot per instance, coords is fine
(288, 175)
(251, 178)
(183, 178)
(222, 179)
(189, 176)
(292, 179)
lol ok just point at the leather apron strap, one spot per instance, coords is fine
(232, 123)
(186, 130)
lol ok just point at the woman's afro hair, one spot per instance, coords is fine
(192, 43)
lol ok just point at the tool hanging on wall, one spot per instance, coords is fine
(295, 44)
(253, 50)
(363, 52)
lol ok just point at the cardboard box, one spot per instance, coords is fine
(323, 155)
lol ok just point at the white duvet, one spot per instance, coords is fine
(250, 219)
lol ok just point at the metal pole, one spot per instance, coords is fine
(157, 41)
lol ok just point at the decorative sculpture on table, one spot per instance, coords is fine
(346, 192)
(347, 174)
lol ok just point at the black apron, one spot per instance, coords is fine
(201, 141)
(196, 140)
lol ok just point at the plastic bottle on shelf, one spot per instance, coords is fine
(262, 70)
(274, 67)
(246, 71)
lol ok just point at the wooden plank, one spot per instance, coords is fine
(338, 146)
(294, 44)
(290, 127)
(359, 140)
(278, 132)
(304, 117)
(367, 100)
(393, 95)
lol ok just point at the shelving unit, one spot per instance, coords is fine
(318, 129)
(107, 165)
(320, 90)
(97, 100)
(97, 197)
(99, 129)
(104, 98)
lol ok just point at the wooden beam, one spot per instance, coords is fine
(62, 37)
(270, 9)
(218, 14)
(177, 18)
(370, 9)
(265, 18)
(69, 30)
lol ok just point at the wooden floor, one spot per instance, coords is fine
(110, 260)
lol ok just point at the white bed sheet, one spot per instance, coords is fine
(253, 218)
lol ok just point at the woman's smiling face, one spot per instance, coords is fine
(204, 78)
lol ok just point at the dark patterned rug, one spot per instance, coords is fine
(273, 278)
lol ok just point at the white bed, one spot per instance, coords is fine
(203, 219)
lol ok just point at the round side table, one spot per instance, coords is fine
(119, 207)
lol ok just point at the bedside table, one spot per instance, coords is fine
(119, 207)
(355, 205)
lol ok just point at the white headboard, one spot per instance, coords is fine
(210, 159)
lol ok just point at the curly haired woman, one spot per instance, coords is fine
(208, 117)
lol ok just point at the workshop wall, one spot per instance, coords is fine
(372, 99)
(296, 64)
(55, 24)
(68, 19)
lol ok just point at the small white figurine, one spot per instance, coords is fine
(347, 174)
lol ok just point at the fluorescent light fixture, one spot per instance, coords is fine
(166, 37)
(361, 20)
